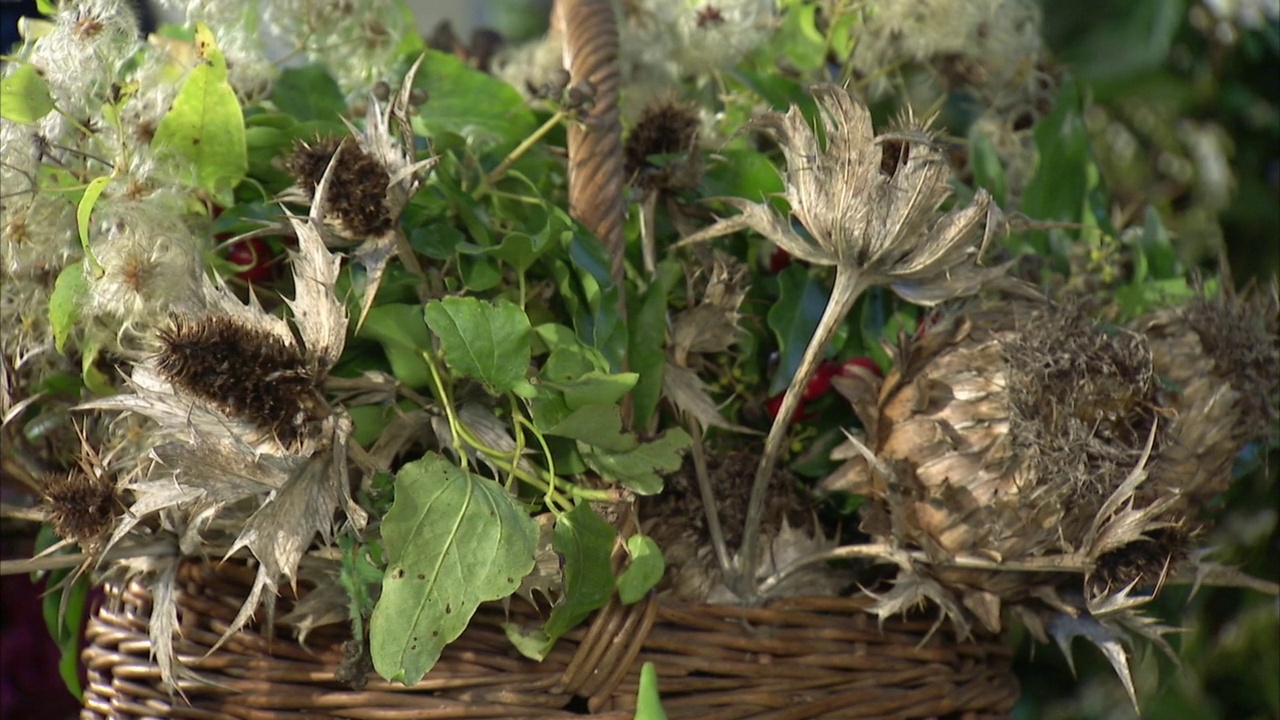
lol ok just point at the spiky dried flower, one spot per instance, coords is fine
(871, 206)
(81, 506)
(227, 470)
(665, 128)
(370, 181)
(1035, 459)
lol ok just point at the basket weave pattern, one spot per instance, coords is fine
(802, 658)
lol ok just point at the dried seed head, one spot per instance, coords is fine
(357, 186)
(665, 128)
(81, 505)
(1142, 564)
(1219, 362)
(246, 372)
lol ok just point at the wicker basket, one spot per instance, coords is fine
(803, 658)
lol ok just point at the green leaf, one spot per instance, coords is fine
(648, 704)
(793, 318)
(308, 93)
(471, 103)
(644, 572)
(597, 388)
(485, 341)
(798, 40)
(596, 425)
(746, 174)
(66, 301)
(639, 468)
(453, 540)
(647, 351)
(1060, 186)
(403, 334)
(24, 95)
(585, 541)
(988, 171)
(63, 612)
(205, 125)
(84, 210)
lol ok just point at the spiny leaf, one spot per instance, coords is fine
(453, 540)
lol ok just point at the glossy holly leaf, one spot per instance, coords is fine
(793, 319)
(453, 540)
(485, 341)
(205, 125)
(645, 570)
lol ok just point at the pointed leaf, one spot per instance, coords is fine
(205, 125)
(453, 540)
(66, 301)
(596, 425)
(648, 704)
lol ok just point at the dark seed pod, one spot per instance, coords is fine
(382, 91)
(245, 372)
(80, 505)
(665, 128)
(357, 187)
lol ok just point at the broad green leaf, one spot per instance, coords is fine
(205, 125)
(453, 540)
(467, 101)
(485, 341)
(66, 301)
(747, 174)
(644, 572)
(585, 541)
(438, 240)
(638, 469)
(596, 425)
(24, 95)
(793, 318)
(648, 704)
(308, 93)
(400, 329)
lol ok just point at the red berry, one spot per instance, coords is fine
(774, 404)
(820, 383)
(779, 260)
(252, 259)
(858, 365)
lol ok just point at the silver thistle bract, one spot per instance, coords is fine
(871, 207)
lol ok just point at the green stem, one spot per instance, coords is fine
(848, 286)
(442, 396)
(511, 158)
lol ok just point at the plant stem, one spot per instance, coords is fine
(511, 158)
(848, 286)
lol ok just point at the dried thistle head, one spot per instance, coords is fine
(670, 128)
(81, 506)
(357, 186)
(1008, 432)
(870, 203)
(246, 372)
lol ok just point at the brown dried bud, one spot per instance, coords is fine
(81, 505)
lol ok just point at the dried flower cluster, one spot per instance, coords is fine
(1034, 457)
